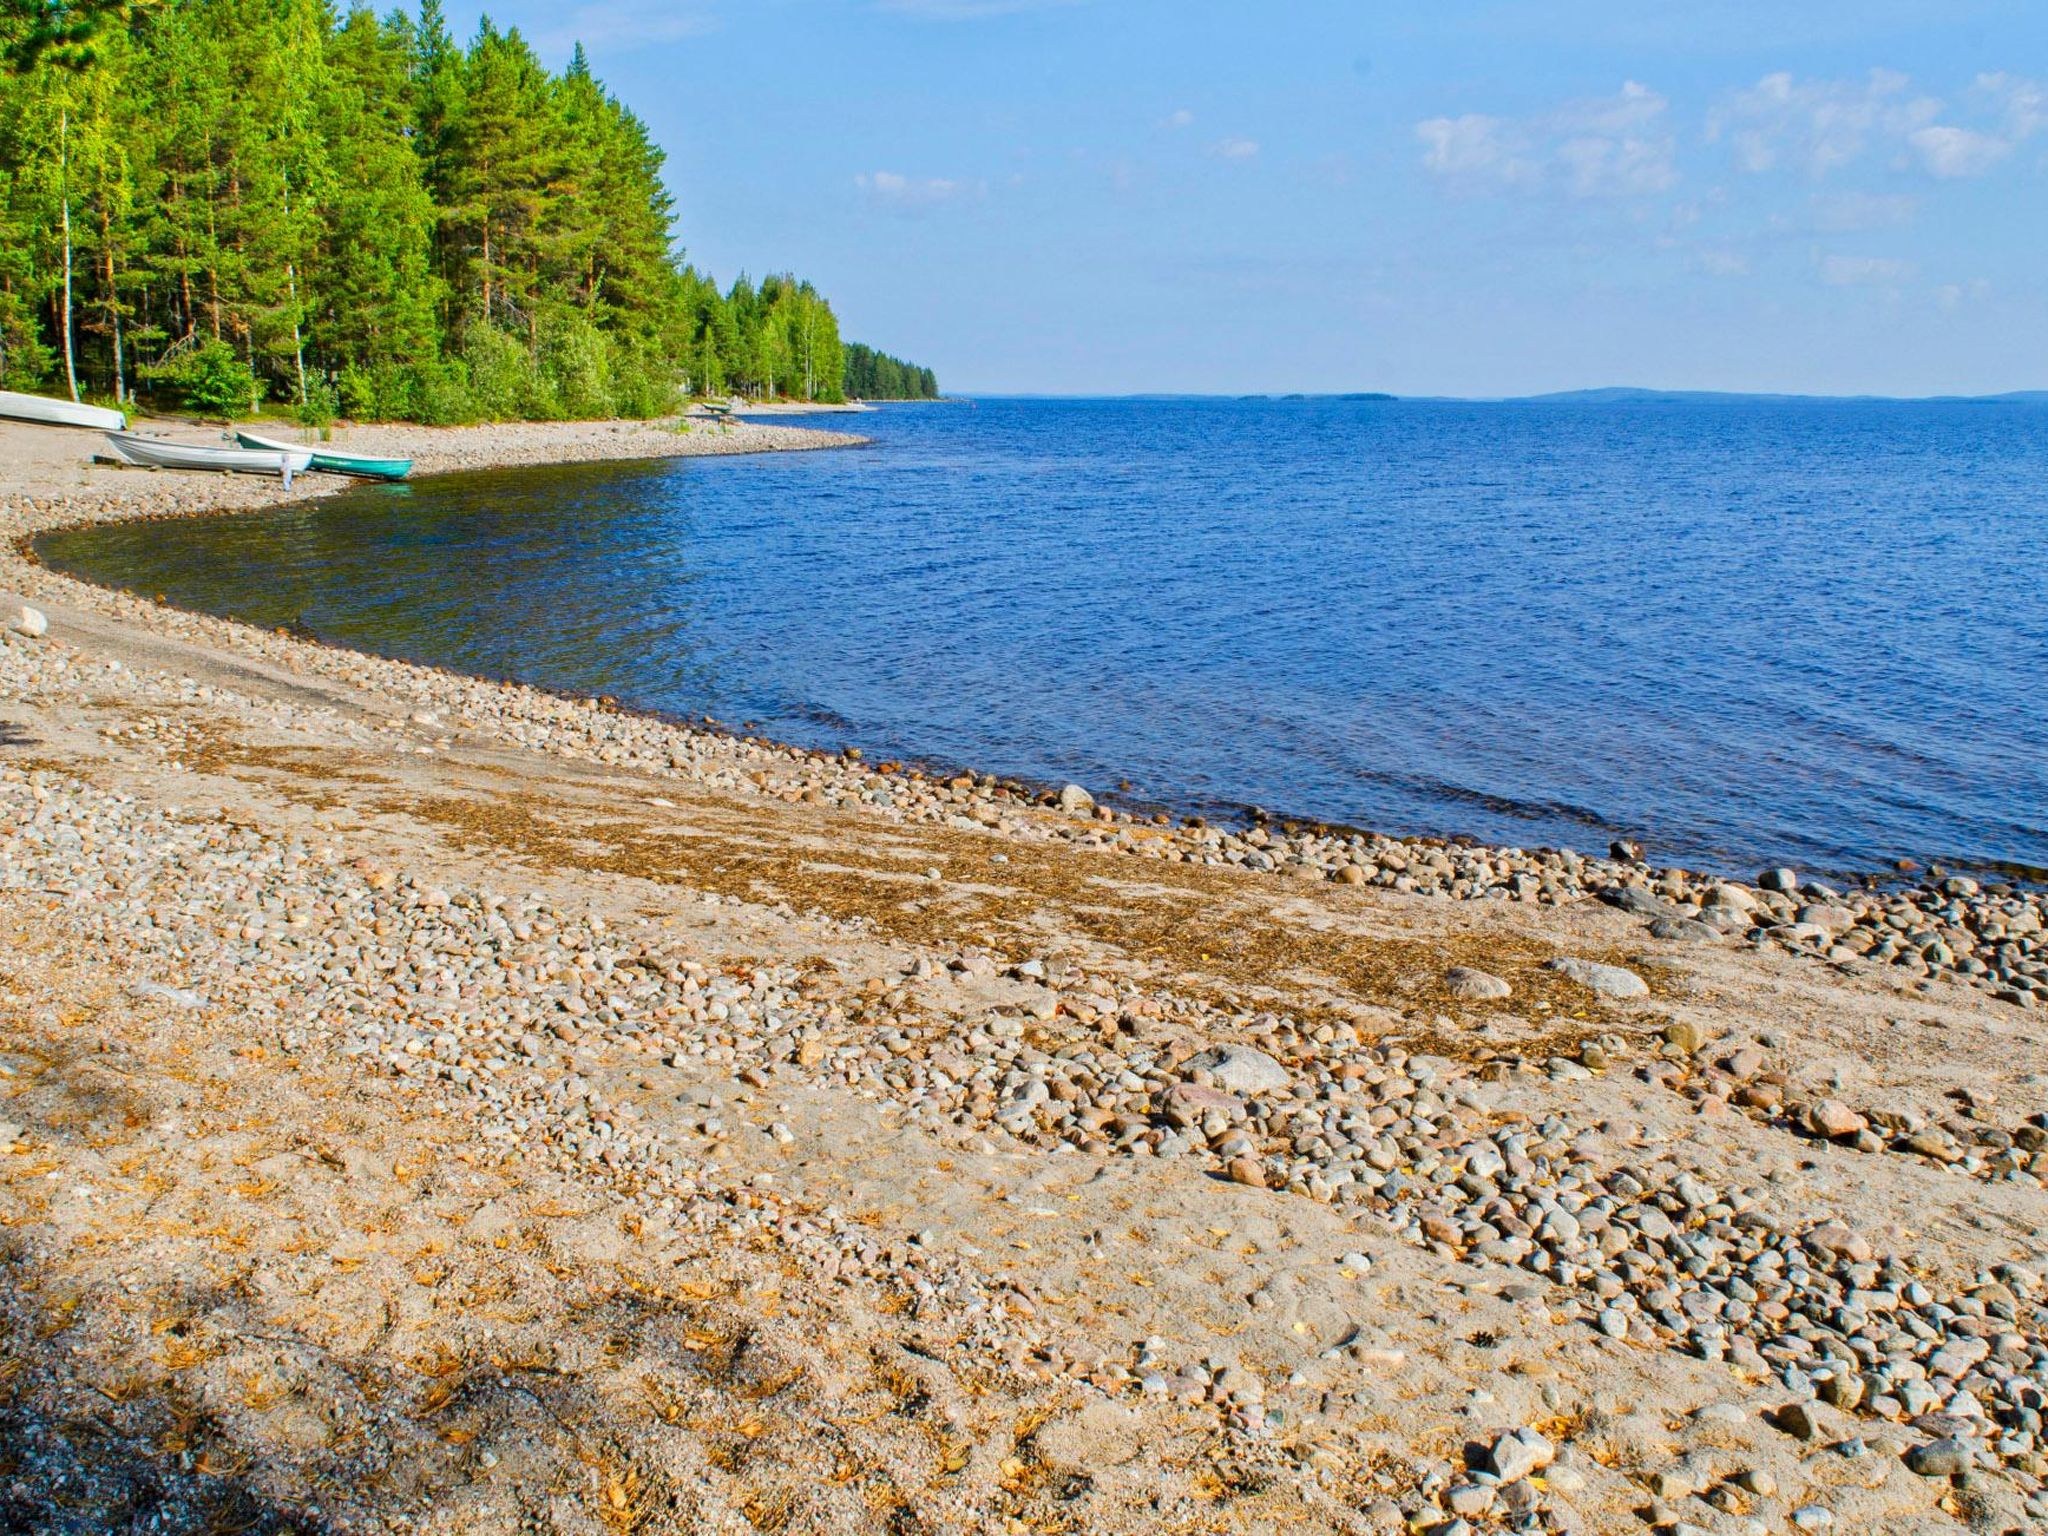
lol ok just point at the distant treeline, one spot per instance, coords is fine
(872, 375)
(220, 201)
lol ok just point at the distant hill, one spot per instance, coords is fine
(1624, 396)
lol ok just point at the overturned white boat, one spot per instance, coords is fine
(59, 413)
(160, 453)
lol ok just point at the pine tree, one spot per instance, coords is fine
(221, 200)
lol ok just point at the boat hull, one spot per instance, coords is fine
(59, 413)
(362, 465)
(156, 453)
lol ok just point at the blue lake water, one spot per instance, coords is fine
(1754, 632)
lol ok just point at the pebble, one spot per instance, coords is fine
(1991, 936)
(1607, 980)
(1241, 1069)
(1947, 1457)
(1475, 986)
(1386, 1135)
(1519, 1452)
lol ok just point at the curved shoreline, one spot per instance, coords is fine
(863, 1058)
(1941, 920)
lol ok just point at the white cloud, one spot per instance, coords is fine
(1816, 126)
(1950, 152)
(1864, 271)
(2021, 104)
(1178, 120)
(1235, 149)
(1475, 148)
(1820, 126)
(1953, 296)
(914, 195)
(1610, 146)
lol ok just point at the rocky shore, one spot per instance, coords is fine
(436, 1105)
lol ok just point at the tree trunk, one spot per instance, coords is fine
(113, 305)
(291, 277)
(64, 186)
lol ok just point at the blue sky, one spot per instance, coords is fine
(1464, 197)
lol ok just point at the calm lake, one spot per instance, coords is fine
(1744, 633)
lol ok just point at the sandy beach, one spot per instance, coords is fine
(431, 1105)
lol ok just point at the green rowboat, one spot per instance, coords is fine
(362, 465)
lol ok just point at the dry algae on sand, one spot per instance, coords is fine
(414, 1125)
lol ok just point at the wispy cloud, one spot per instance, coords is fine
(1477, 149)
(912, 195)
(1610, 146)
(1817, 127)
(1178, 120)
(1950, 152)
(2022, 105)
(1235, 149)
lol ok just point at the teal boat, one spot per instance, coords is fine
(362, 465)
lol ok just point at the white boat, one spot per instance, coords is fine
(59, 413)
(160, 453)
(364, 466)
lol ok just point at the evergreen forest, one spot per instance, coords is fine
(214, 204)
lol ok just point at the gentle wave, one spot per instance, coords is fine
(1738, 633)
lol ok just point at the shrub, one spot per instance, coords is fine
(504, 382)
(578, 363)
(24, 361)
(209, 379)
(317, 411)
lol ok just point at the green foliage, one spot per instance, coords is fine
(209, 379)
(219, 199)
(872, 375)
(321, 404)
(24, 361)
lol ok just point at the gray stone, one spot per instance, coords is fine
(1947, 1457)
(1075, 800)
(1802, 1421)
(32, 622)
(1826, 916)
(1472, 1499)
(1633, 898)
(1240, 1069)
(1685, 929)
(1607, 980)
(1475, 986)
(1520, 1452)
(1784, 881)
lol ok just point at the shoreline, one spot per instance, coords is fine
(1304, 847)
(457, 1089)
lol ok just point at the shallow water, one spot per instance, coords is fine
(1742, 633)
